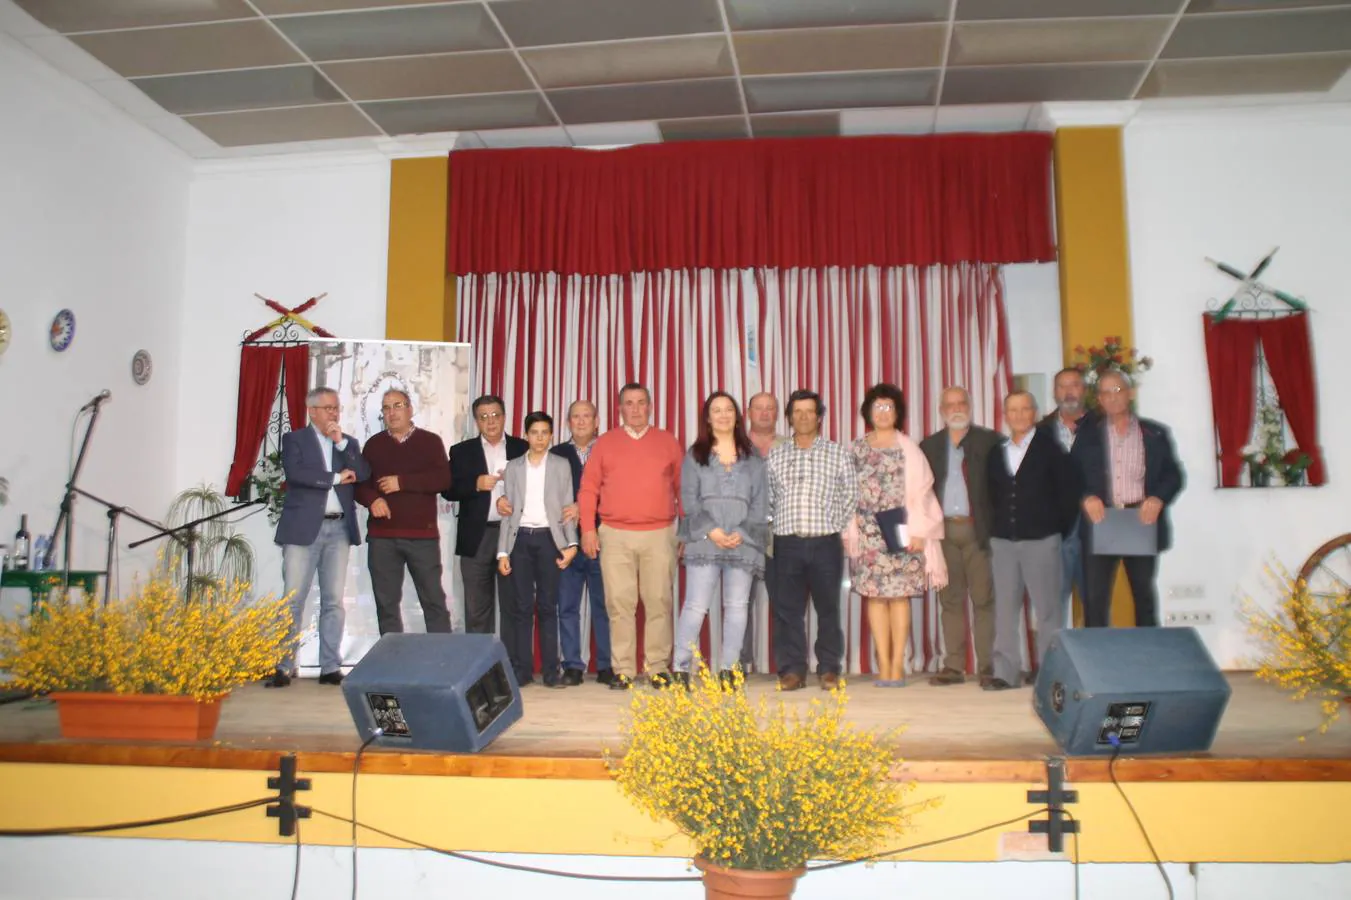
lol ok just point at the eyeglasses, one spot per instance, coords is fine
(883, 407)
(1112, 390)
(329, 408)
(393, 406)
(488, 416)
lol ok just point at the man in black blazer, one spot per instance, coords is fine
(1063, 423)
(476, 483)
(1034, 495)
(957, 455)
(1125, 461)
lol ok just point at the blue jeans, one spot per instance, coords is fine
(584, 572)
(1072, 573)
(327, 557)
(701, 583)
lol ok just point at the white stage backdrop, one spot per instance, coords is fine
(437, 378)
(541, 341)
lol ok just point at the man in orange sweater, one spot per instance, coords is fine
(633, 480)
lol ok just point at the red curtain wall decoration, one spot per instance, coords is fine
(1231, 348)
(787, 204)
(542, 341)
(259, 369)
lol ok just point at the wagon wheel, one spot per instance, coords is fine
(1327, 572)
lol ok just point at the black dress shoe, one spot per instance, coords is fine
(554, 681)
(660, 680)
(278, 680)
(997, 684)
(572, 677)
(682, 679)
(621, 683)
(605, 676)
(331, 678)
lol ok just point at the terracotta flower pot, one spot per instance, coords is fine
(721, 883)
(136, 717)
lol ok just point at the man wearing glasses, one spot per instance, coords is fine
(318, 527)
(408, 470)
(476, 484)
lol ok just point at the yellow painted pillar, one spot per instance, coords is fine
(1095, 283)
(420, 295)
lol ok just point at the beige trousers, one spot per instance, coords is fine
(639, 565)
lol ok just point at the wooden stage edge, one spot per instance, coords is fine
(942, 734)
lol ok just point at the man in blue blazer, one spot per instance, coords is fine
(318, 527)
(1125, 462)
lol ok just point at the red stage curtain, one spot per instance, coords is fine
(1231, 347)
(296, 361)
(803, 203)
(1285, 343)
(258, 371)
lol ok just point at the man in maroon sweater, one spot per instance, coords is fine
(633, 480)
(408, 470)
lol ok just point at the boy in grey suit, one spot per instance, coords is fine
(535, 546)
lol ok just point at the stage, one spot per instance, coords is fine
(946, 733)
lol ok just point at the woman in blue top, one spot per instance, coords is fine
(724, 492)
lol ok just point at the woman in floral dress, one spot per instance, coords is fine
(892, 473)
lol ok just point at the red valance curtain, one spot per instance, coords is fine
(805, 203)
(259, 369)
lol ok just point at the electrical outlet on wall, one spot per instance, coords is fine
(1188, 617)
(1187, 592)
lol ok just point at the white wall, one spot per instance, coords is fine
(92, 216)
(1231, 185)
(288, 229)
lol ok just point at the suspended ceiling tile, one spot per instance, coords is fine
(840, 49)
(1035, 84)
(534, 23)
(478, 113)
(98, 15)
(1057, 41)
(292, 7)
(796, 125)
(663, 100)
(246, 89)
(718, 128)
(441, 75)
(182, 135)
(1306, 31)
(1251, 75)
(631, 62)
(1206, 6)
(129, 98)
(912, 120)
(614, 134)
(507, 138)
(754, 15)
(972, 10)
(393, 32)
(190, 48)
(863, 89)
(273, 126)
(997, 117)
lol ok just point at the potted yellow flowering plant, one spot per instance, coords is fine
(150, 666)
(759, 788)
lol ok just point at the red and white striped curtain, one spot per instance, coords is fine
(541, 341)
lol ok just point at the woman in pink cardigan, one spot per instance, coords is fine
(895, 482)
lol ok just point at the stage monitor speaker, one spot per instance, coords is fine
(1155, 690)
(451, 692)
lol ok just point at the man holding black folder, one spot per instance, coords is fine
(1126, 463)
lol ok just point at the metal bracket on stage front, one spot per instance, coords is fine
(286, 784)
(1057, 824)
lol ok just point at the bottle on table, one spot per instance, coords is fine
(22, 545)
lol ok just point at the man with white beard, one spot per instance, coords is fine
(1064, 423)
(958, 455)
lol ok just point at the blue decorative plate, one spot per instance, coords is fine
(63, 330)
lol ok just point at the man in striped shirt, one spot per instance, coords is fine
(813, 491)
(1126, 462)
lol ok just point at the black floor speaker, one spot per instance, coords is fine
(1149, 690)
(450, 692)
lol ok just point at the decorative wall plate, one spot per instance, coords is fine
(141, 367)
(6, 331)
(63, 330)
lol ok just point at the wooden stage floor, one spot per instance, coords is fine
(953, 733)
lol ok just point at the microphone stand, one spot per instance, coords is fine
(67, 517)
(113, 512)
(186, 534)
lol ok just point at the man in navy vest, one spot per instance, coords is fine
(318, 527)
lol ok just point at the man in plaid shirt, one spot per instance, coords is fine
(813, 493)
